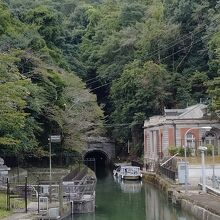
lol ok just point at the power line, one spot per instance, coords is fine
(162, 58)
(186, 47)
(168, 46)
(153, 53)
(100, 86)
(98, 80)
(119, 124)
(91, 79)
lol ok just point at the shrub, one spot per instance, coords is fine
(188, 152)
(181, 151)
(209, 150)
(172, 150)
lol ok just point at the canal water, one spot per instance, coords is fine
(128, 200)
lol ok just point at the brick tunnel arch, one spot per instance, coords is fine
(101, 158)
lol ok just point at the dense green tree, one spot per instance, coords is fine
(137, 57)
(38, 98)
(18, 127)
(141, 90)
(197, 86)
(214, 91)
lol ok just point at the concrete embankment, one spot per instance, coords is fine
(201, 205)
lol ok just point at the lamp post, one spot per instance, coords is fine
(203, 149)
(213, 168)
(185, 146)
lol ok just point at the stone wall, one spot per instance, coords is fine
(180, 199)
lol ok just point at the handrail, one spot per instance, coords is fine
(169, 159)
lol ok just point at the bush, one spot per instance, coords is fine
(172, 150)
(209, 150)
(3, 211)
(188, 152)
(181, 151)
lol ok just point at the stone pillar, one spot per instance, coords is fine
(3, 172)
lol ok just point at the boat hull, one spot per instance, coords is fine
(131, 177)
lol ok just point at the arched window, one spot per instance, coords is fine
(190, 140)
(210, 138)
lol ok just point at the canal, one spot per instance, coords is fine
(117, 200)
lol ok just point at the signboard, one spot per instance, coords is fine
(55, 138)
(183, 172)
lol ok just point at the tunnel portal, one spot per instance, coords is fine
(96, 159)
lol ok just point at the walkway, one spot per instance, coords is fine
(19, 216)
(32, 210)
(206, 201)
(209, 201)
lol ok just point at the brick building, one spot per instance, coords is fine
(179, 127)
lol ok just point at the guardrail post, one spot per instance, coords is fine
(25, 194)
(61, 197)
(8, 195)
(38, 195)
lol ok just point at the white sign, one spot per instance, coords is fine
(183, 172)
(55, 138)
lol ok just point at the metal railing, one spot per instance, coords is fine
(136, 163)
(171, 174)
(80, 189)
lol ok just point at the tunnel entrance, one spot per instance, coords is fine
(96, 159)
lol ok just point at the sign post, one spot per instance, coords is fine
(55, 138)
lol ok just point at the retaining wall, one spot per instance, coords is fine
(179, 199)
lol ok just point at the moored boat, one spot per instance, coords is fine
(128, 172)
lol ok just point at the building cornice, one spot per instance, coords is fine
(180, 121)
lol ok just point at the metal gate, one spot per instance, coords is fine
(17, 196)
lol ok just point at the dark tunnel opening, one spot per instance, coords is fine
(96, 160)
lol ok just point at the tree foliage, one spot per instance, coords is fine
(38, 97)
(137, 57)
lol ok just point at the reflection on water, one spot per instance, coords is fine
(157, 207)
(83, 217)
(116, 200)
(102, 173)
(128, 186)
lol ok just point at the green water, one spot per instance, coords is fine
(117, 200)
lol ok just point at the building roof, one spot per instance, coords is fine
(198, 111)
(173, 112)
(194, 111)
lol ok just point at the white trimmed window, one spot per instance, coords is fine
(190, 140)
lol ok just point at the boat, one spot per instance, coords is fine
(128, 172)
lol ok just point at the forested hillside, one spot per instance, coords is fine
(138, 57)
(40, 96)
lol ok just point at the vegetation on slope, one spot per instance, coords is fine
(137, 57)
(38, 96)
